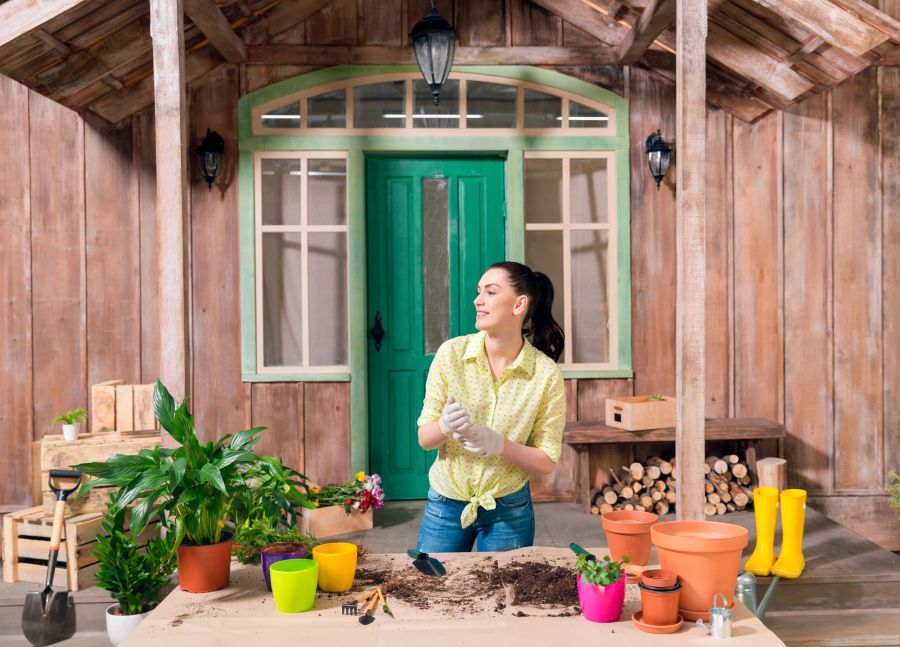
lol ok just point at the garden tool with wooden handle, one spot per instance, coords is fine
(369, 616)
(384, 606)
(49, 616)
(352, 608)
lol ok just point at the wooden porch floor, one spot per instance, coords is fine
(849, 593)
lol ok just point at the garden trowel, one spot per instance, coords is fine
(578, 550)
(427, 564)
(49, 616)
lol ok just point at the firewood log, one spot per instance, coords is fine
(745, 479)
(656, 495)
(731, 507)
(609, 495)
(627, 492)
(595, 510)
(640, 508)
(628, 506)
(713, 498)
(605, 507)
(661, 507)
(646, 501)
(739, 470)
(716, 464)
(709, 486)
(670, 482)
(595, 494)
(615, 477)
(731, 459)
(665, 467)
(720, 508)
(726, 497)
(647, 481)
(740, 499)
(709, 509)
(637, 471)
(652, 471)
(637, 486)
(660, 485)
(671, 496)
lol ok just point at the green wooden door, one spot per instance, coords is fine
(433, 226)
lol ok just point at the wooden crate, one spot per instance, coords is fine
(26, 546)
(116, 406)
(640, 412)
(332, 520)
(58, 453)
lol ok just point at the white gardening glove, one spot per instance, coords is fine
(483, 440)
(453, 419)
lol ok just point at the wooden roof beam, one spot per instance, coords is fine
(49, 39)
(20, 17)
(587, 18)
(869, 14)
(656, 18)
(390, 55)
(281, 18)
(836, 26)
(210, 20)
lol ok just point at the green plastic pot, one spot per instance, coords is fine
(294, 584)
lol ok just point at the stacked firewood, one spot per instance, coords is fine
(650, 486)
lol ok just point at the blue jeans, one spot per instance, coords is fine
(510, 525)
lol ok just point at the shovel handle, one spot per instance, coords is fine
(412, 552)
(59, 512)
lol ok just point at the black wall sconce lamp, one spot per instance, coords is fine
(434, 43)
(659, 154)
(209, 156)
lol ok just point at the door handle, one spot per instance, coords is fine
(377, 331)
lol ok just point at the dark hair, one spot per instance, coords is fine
(540, 326)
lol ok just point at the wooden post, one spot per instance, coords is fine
(690, 199)
(772, 472)
(167, 31)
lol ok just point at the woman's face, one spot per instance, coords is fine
(497, 306)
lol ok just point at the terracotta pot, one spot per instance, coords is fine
(628, 533)
(204, 568)
(659, 607)
(659, 578)
(277, 552)
(706, 555)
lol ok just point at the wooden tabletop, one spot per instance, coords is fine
(578, 433)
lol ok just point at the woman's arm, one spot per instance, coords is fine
(530, 459)
(431, 436)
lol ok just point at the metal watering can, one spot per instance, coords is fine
(719, 619)
(745, 591)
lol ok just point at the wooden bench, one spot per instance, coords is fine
(581, 435)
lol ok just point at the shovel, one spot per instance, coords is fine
(48, 616)
(428, 565)
(578, 550)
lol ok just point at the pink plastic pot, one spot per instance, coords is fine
(601, 603)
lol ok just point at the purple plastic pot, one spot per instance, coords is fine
(601, 603)
(277, 552)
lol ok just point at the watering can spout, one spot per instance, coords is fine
(761, 609)
(745, 591)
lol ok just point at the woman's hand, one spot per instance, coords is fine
(453, 419)
(482, 440)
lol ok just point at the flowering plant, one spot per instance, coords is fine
(361, 493)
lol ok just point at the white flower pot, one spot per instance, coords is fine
(70, 432)
(118, 627)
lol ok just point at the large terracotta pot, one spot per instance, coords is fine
(706, 555)
(628, 533)
(204, 568)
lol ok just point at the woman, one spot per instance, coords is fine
(495, 407)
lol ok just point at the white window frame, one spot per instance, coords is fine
(566, 226)
(304, 229)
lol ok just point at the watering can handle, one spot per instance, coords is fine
(724, 600)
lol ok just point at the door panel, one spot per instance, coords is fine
(433, 226)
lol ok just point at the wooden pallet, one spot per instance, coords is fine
(26, 545)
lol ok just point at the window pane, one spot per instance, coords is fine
(379, 105)
(588, 184)
(581, 116)
(281, 191)
(543, 190)
(424, 110)
(590, 310)
(327, 110)
(542, 110)
(283, 117)
(544, 253)
(327, 192)
(328, 299)
(490, 105)
(437, 268)
(281, 298)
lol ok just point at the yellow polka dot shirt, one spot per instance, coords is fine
(526, 404)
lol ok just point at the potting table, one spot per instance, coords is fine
(244, 614)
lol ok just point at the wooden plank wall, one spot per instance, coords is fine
(803, 268)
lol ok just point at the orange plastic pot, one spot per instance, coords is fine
(204, 568)
(659, 578)
(628, 533)
(659, 607)
(706, 555)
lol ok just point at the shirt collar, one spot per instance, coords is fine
(524, 361)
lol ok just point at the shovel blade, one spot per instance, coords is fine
(430, 566)
(48, 618)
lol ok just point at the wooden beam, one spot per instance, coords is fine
(389, 55)
(167, 31)
(281, 18)
(869, 14)
(586, 18)
(891, 58)
(49, 39)
(617, 9)
(836, 26)
(210, 20)
(690, 216)
(811, 45)
(20, 17)
(656, 18)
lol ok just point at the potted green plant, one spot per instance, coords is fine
(134, 575)
(192, 488)
(71, 421)
(601, 587)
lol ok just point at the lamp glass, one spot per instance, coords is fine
(434, 43)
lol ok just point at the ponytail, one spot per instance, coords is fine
(540, 328)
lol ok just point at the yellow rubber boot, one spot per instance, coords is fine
(765, 509)
(790, 562)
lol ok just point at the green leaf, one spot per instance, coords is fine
(209, 473)
(246, 439)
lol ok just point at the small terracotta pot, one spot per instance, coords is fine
(204, 568)
(659, 578)
(628, 533)
(706, 555)
(277, 552)
(660, 606)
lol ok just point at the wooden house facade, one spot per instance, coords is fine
(802, 257)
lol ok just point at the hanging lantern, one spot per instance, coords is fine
(434, 42)
(659, 153)
(209, 156)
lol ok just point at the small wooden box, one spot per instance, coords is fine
(640, 412)
(332, 520)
